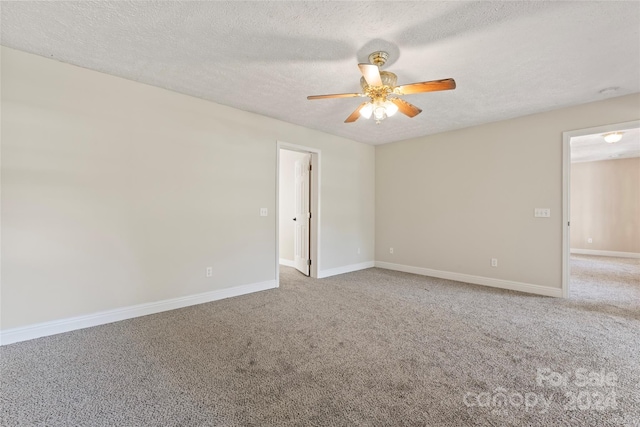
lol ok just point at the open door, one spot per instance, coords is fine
(302, 209)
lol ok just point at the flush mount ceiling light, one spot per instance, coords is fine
(612, 137)
(381, 87)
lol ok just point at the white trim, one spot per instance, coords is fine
(605, 253)
(38, 330)
(478, 280)
(287, 262)
(566, 189)
(566, 215)
(315, 205)
(345, 269)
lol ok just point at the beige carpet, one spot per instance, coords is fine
(373, 348)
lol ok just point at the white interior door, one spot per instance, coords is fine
(302, 211)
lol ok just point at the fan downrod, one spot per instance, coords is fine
(378, 58)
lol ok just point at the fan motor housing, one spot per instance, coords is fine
(388, 79)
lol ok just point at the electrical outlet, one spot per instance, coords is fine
(263, 211)
(358, 251)
(209, 272)
(494, 262)
(589, 240)
(390, 250)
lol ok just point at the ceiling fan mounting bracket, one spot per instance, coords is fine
(378, 58)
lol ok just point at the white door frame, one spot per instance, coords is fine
(566, 189)
(315, 206)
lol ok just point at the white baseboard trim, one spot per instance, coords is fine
(345, 269)
(605, 253)
(38, 330)
(477, 280)
(287, 262)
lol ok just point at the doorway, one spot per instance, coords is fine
(297, 208)
(593, 137)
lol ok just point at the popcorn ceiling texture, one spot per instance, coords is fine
(508, 58)
(370, 348)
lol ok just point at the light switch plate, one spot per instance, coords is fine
(542, 213)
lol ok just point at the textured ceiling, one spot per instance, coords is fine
(591, 148)
(508, 58)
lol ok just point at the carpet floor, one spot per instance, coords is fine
(372, 348)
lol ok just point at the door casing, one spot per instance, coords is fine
(566, 190)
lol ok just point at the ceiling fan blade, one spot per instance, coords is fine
(371, 74)
(431, 86)
(405, 107)
(354, 116)
(337, 95)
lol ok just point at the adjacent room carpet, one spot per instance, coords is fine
(373, 348)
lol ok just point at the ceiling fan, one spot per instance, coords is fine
(380, 87)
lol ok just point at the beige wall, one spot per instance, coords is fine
(451, 202)
(286, 198)
(116, 193)
(605, 205)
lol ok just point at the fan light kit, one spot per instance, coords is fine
(612, 137)
(380, 87)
